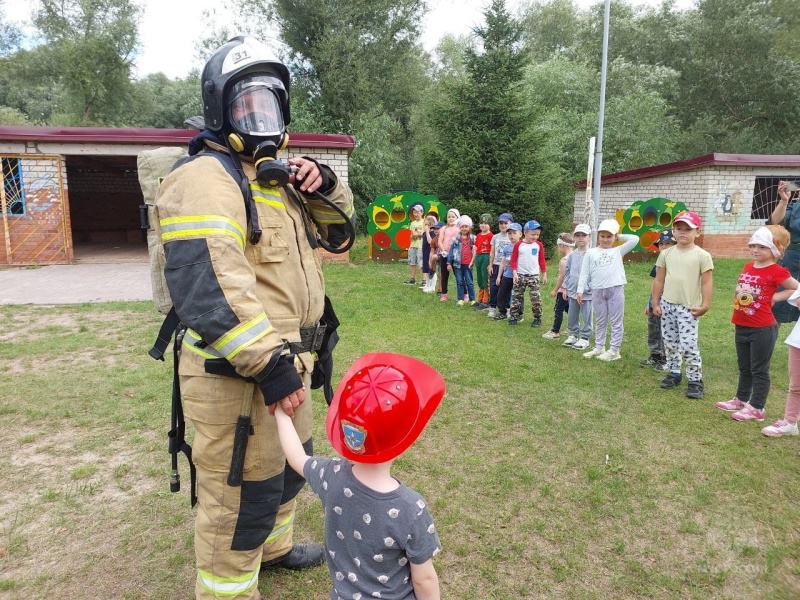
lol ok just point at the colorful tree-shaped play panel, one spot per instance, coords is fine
(646, 218)
(388, 219)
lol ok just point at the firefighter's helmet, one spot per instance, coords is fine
(245, 91)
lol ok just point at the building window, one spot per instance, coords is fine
(12, 185)
(765, 196)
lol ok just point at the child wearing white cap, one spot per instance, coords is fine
(579, 316)
(756, 327)
(603, 272)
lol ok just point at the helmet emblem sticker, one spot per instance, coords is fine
(354, 436)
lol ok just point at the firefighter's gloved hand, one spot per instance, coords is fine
(282, 381)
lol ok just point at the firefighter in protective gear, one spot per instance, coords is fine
(251, 305)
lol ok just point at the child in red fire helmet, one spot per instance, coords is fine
(379, 535)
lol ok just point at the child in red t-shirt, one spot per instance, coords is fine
(756, 328)
(483, 246)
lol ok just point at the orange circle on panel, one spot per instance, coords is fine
(665, 220)
(398, 215)
(635, 223)
(650, 216)
(647, 239)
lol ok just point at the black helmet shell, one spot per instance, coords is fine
(238, 56)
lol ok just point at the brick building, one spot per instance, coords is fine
(733, 193)
(79, 185)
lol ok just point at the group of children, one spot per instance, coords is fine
(379, 535)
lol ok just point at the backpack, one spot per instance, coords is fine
(153, 166)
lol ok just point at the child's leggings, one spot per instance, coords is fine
(577, 314)
(654, 342)
(481, 271)
(608, 305)
(518, 296)
(504, 294)
(561, 307)
(679, 332)
(754, 346)
(792, 413)
(444, 274)
(494, 287)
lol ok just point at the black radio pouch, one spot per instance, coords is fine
(323, 368)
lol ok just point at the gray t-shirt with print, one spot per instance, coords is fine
(499, 241)
(370, 536)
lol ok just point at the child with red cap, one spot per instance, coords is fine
(681, 295)
(379, 535)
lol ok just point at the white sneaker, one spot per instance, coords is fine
(581, 345)
(551, 335)
(780, 428)
(609, 355)
(491, 313)
(593, 352)
(570, 341)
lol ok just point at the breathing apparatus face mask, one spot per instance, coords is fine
(256, 120)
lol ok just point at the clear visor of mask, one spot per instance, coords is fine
(255, 108)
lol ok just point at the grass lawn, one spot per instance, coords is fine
(548, 475)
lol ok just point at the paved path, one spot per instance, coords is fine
(75, 284)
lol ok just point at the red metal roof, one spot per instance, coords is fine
(161, 137)
(707, 160)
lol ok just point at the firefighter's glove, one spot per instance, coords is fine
(281, 381)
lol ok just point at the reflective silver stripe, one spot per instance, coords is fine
(227, 587)
(190, 341)
(200, 226)
(242, 336)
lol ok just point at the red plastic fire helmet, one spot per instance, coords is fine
(381, 406)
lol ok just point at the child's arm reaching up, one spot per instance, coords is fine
(292, 447)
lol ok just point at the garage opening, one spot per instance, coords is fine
(104, 199)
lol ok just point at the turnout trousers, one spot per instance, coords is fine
(238, 528)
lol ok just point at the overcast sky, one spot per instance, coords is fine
(170, 28)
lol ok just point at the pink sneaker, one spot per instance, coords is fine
(443, 298)
(748, 413)
(731, 405)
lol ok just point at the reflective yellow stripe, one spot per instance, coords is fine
(268, 196)
(281, 529)
(202, 226)
(192, 338)
(227, 587)
(241, 337)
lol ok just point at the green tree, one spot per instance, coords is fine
(90, 46)
(29, 86)
(484, 151)
(355, 63)
(737, 86)
(158, 101)
(10, 35)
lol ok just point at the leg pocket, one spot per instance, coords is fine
(213, 405)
